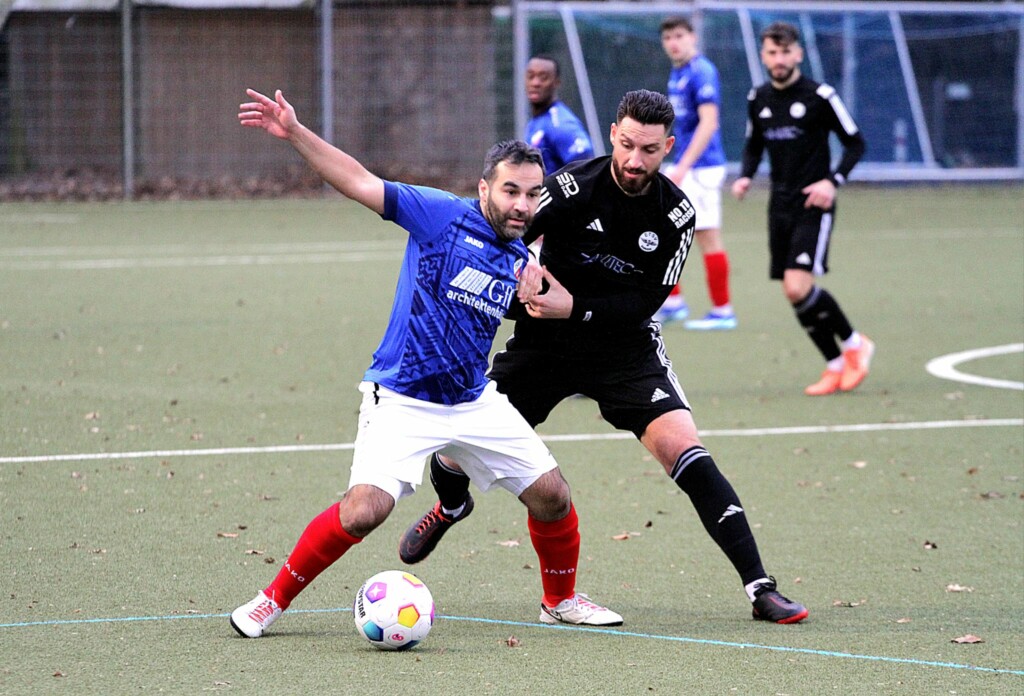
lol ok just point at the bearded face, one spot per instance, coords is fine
(508, 222)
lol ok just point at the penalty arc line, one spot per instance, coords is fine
(944, 366)
(579, 437)
(585, 629)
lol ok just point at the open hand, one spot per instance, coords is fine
(276, 116)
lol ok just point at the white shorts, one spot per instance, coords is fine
(703, 186)
(488, 438)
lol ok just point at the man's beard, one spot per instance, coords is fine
(632, 187)
(787, 73)
(499, 222)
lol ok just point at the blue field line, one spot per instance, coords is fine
(582, 629)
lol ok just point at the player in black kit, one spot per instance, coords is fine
(616, 235)
(792, 116)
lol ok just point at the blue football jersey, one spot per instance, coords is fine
(457, 280)
(560, 137)
(689, 86)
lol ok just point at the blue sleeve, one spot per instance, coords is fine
(423, 211)
(571, 142)
(706, 87)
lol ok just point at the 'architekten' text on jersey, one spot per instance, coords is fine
(690, 86)
(456, 282)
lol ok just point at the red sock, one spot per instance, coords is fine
(716, 266)
(323, 542)
(676, 290)
(558, 548)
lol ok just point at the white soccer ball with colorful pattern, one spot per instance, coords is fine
(394, 610)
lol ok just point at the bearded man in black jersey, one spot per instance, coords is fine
(793, 116)
(616, 235)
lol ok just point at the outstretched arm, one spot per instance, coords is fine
(340, 170)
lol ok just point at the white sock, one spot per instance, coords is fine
(852, 342)
(723, 310)
(751, 587)
(836, 364)
(673, 302)
(453, 513)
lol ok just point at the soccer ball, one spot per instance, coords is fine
(393, 610)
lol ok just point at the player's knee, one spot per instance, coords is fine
(548, 498)
(363, 509)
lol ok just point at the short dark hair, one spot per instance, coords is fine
(675, 22)
(551, 59)
(647, 108)
(782, 33)
(513, 152)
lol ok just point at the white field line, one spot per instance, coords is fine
(944, 366)
(581, 437)
(200, 261)
(198, 256)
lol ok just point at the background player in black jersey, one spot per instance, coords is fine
(792, 116)
(616, 235)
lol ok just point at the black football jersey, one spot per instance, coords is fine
(794, 124)
(618, 255)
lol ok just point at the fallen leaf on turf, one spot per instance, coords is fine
(624, 536)
(253, 552)
(509, 544)
(903, 620)
(227, 535)
(512, 642)
(59, 674)
(841, 603)
(649, 524)
(954, 587)
(930, 545)
(92, 415)
(991, 495)
(859, 465)
(967, 639)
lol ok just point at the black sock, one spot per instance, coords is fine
(452, 486)
(821, 317)
(719, 509)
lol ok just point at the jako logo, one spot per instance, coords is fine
(473, 241)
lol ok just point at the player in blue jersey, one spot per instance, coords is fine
(426, 392)
(553, 128)
(697, 166)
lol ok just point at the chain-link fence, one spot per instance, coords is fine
(137, 98)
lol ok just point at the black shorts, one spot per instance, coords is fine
(798, 237)
(631, 387)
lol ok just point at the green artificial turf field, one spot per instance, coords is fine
(177, 399)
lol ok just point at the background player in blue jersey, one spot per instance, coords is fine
(553, 128)
(426, 392)
(697, 165)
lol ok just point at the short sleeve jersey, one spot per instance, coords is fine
(618, 255)
(457, 280)
(689, 87)
(560, 137)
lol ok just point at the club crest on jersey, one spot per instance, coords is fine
(797, 110)
(517, 268)
(648, 241)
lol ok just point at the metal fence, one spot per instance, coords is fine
(137, 98)
(937, 88)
